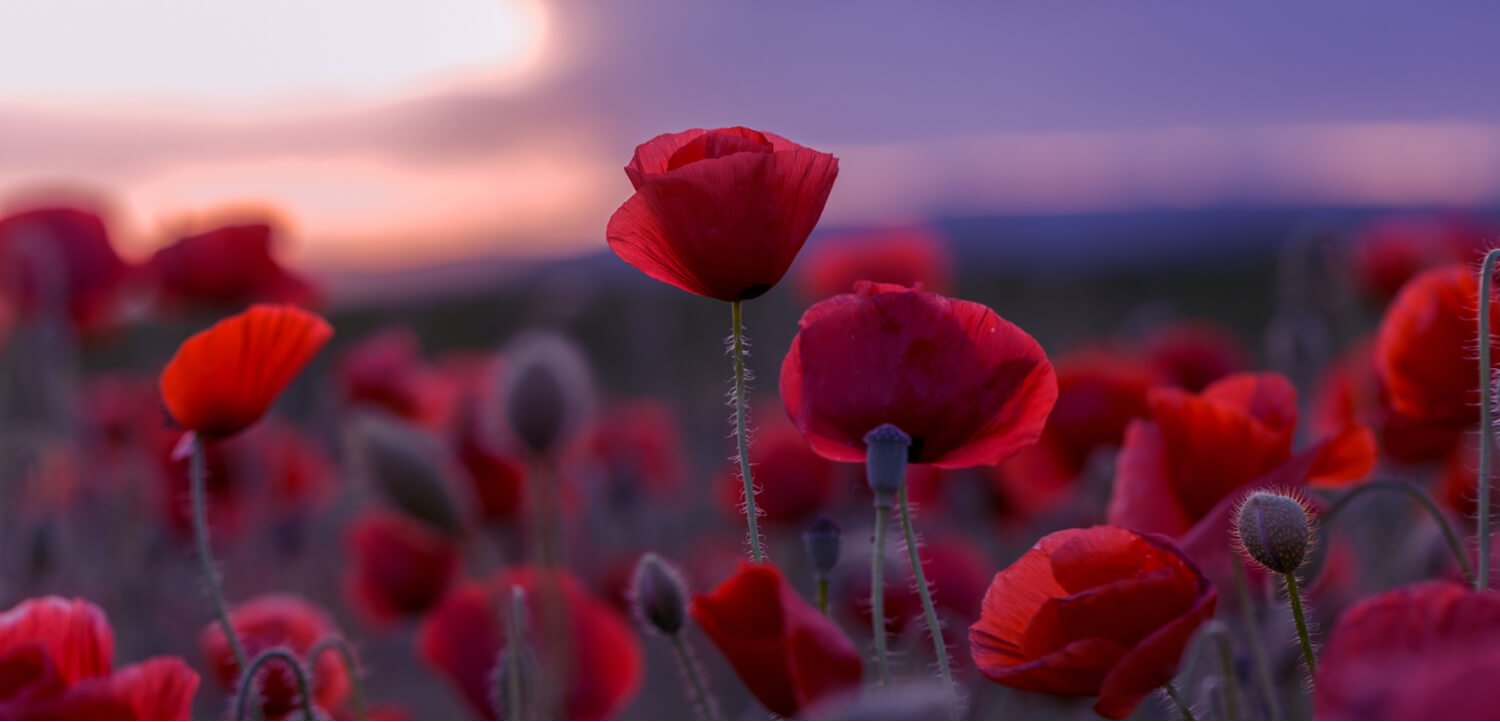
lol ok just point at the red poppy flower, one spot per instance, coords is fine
(787, 653)
(909, 257)
(1424, 351)
(278, 620)
(956, 570)
(56, 663)
(227, 266)
(1391, 250)
(793, 482)
(386, 370)
(462, 637)
(1193, 354)
(969, 387)
(64, 254)
(1100, 611)
(634, 448)
(720, 213)
(223, 379)
(1427, 651)
(1349, 393)
(297, 471)
(401, 566)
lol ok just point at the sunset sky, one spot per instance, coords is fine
(386, 133)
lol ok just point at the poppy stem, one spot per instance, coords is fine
(740, 432)
(1295, 595)
(822, 583)
(1221, 640)
(1182, 706)
(246, 689)
(199, 492)
(1257, 650)
(545, 513)
(877, 592)
(1415, 492)
(702, 699)
(351, 669)
(934, 625)
(1487, 415)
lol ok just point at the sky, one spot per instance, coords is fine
(384, 134)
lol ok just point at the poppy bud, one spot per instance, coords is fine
(1274, 531)
(659, 596)
(822, 543)
(546, 387)
(886, 452)
(408, 467)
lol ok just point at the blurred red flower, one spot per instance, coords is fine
(720, 213)
(904, 256)
(61, 255)
(224, 379)
(401, 566)
(969, 387)
(786, 652)
(1100, 611)
(1193, 354)
(1182, 469)
(1389, 251)
(1426, 651)
(1424, 351)
(56, 660)
(462, 637)
(386, 370)
(794, 482)
(228, 266)
(634, 446)
(224, 480)
(1350, 393)
(271, 621)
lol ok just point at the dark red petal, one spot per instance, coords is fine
(1347, 457)
(401, 566)
(1154, 661)
(1143, 497)
(158, 688)
(74, 633)
(1424, 351)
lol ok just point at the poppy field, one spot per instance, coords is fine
(753, 477)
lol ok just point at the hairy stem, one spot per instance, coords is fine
(934, 626)
(196, 478)
(1295, 595)
(1182, 706)
(877, 593)
(247, 679)
(703, 700)
(741, 433)
(1487, 415)
(351, 669)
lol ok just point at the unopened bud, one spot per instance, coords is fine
(886, 452)
(1274, 530)
(547, 389)
(659, 596)
(409, 467)
(822, 543)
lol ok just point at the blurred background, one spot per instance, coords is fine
(437, 181)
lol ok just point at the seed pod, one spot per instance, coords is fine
(1274, 530)
(886, 451)
(821, 540)
(659, 596)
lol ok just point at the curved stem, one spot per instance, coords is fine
(1487, 415)
(877, 593)
(248, 678)
(1182, 706)
(199, 492)
(704, 702)
(1455, 544)
(1295, 595)
(934, 626)
(1257, 650)
(740, 433)
(351, 669)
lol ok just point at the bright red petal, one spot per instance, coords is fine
(74, 632)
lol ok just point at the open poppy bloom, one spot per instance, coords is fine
(905, 256)
(385, 370)
(967, 386)
(794, 482)
(268, 622)
(720, 213)
(1182, 470)
(56, 662)
(1349, 392)
(785, 651)
(224, 379)
(1100, 612)
(1193, 354)
(1389, 251)
(1426, 651)
(401, 566)
(634, 449)
(462, 637)
(227, 266)
(60, 254)
(1424, 351)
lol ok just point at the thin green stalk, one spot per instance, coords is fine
(934, 627)
(351, 669)
(1257, 649)
(1487, 415)
(196, 478)
(704, 702)
(740, 433)
(1295, 595)
(1182, 706)
(877, 593)
(247, 680)
(1455, 544)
